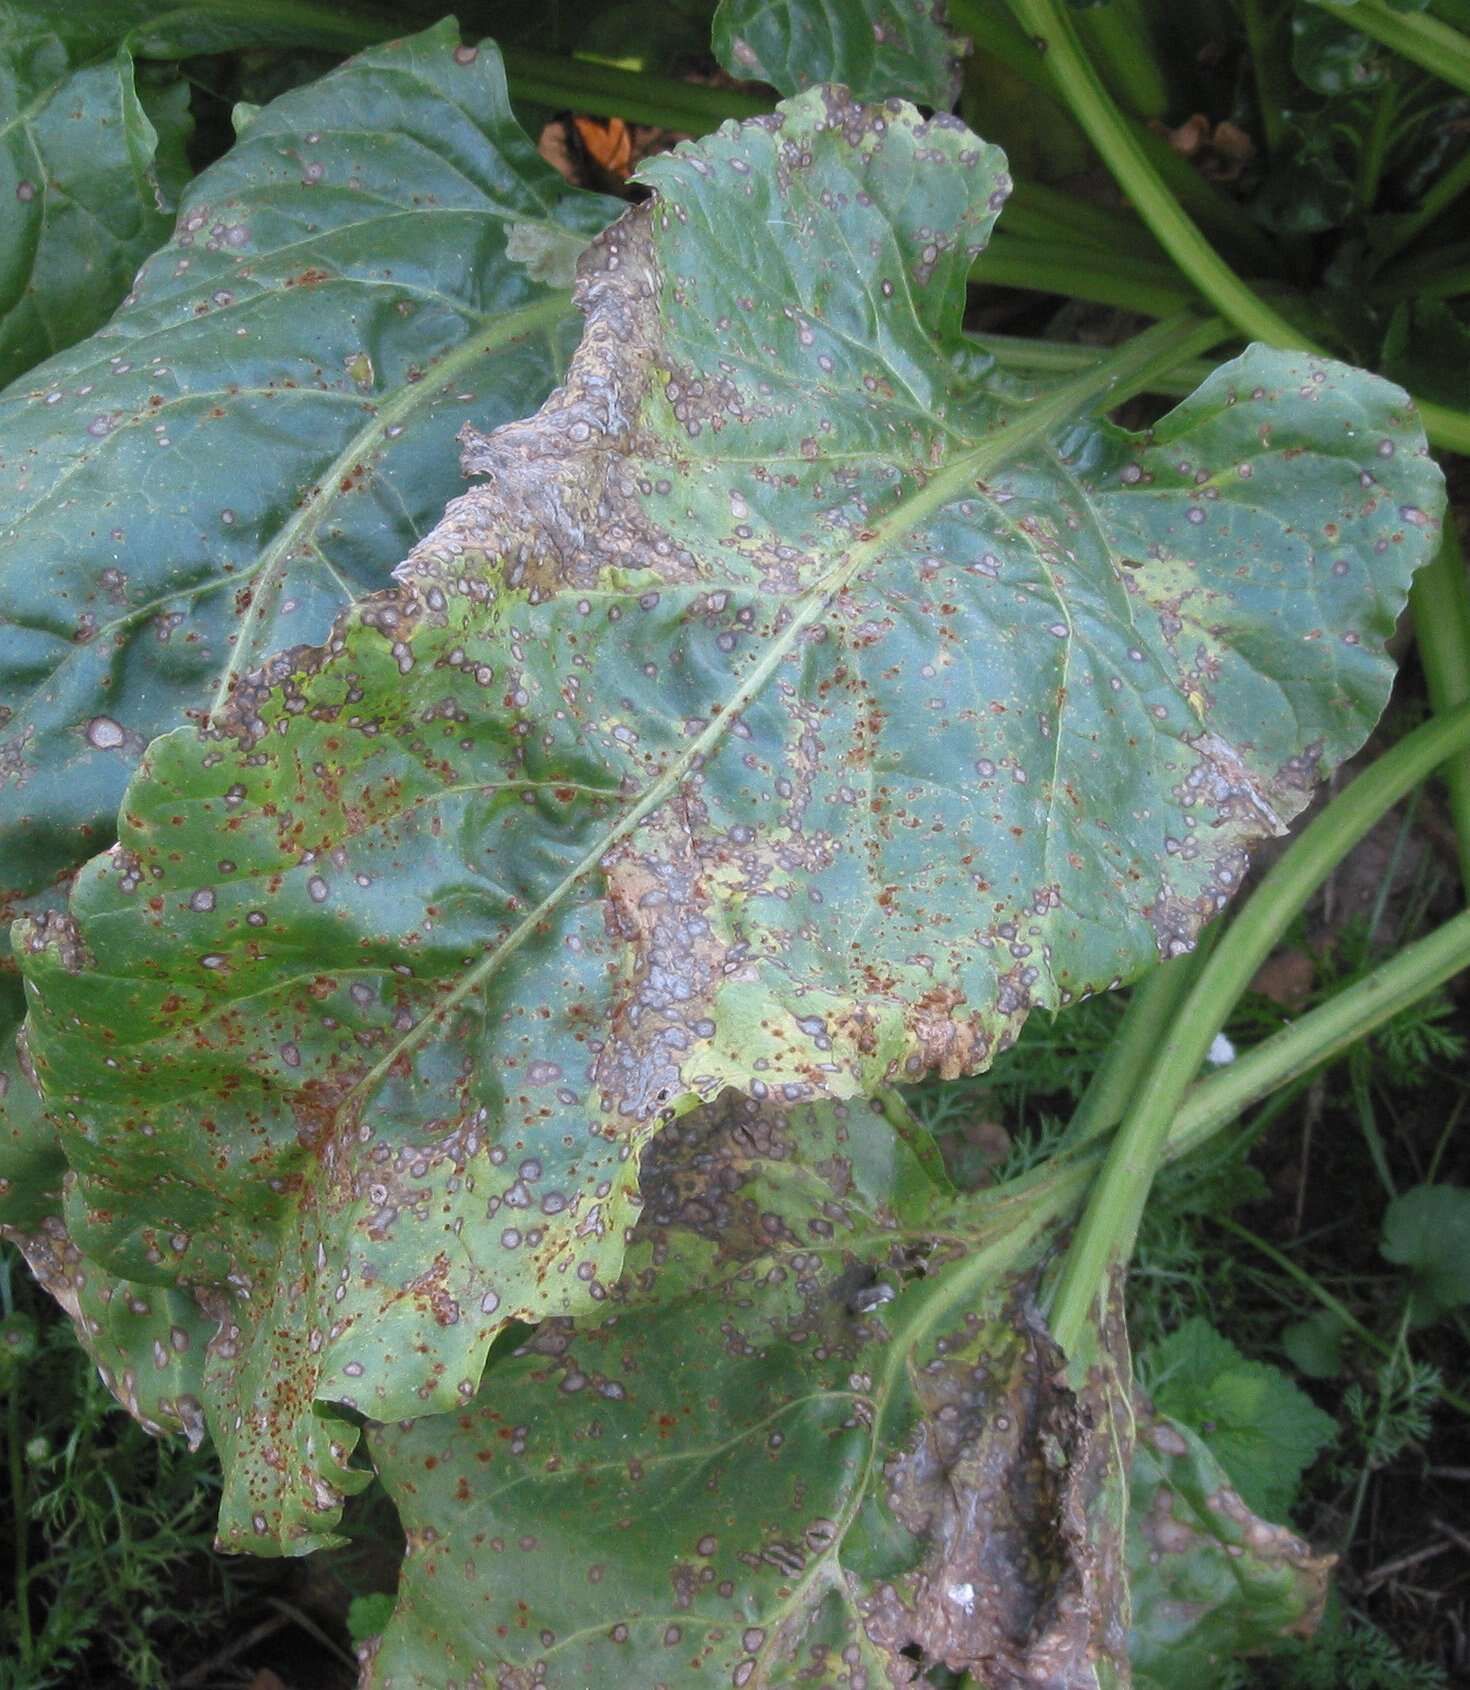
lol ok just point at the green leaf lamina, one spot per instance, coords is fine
(1263, 1430)
(266, 426)
(31, 1160)
(1427, 1230)
(817, 1436)
(792, 706)
(876, 48)
(90, 164)
(1332, 57)
(148, 1341)
(94, 117)
(273, 408)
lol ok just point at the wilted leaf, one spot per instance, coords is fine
(265, 428)
(790, 709)
(876, 48)
(1263, 1430)
(1427, 1230)
(818, 1435)
(1209, 1580)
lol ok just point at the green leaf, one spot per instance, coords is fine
(92, 154)
(31, 1159)
(1427, 343)
(1308, 191)
(1427, 1230)
(147, 1341)
(367, 1616)
(265, 427)
(792, 706)
(1331, 57)
(80, 177)
(1210, 1581)
(818, 1435)
(1315, 1344)
(876, 48)
(1261, 1428)
(18, 1345)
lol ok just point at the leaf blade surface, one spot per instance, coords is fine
(219, 470)
(792, 707)
(806, 1438)
(877, 49)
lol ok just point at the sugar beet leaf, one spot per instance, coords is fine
(792, 706)
(819, 1433)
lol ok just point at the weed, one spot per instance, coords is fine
(112, 1528)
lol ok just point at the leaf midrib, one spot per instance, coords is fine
(300, 527)
(962, 1287)
(1038, 419)
(303, 522)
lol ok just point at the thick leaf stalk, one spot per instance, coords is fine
(1105, 1235)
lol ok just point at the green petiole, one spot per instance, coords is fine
(1109, 1223)
(1133, 284)
(547, 79)
(1175, 230)
(1065, 357)
(1319, 1035)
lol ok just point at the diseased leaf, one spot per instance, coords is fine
(31, 1159)
(1263, 1430)
(265, 428)
(92, 145)
(792, 707)
(817, 1436)
(876, 48)
(1210, 1581)
(148, 1341)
